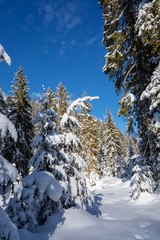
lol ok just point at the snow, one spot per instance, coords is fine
(114, 216)
(8, 173)
(79, 102)
(7, 229)
(45, 182)
(5, 126)
(4, 56)
(2, 94)
(71, 139)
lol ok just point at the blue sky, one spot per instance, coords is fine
(58, 41)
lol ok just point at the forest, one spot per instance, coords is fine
(53, 147)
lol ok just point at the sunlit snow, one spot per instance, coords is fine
(114, 216)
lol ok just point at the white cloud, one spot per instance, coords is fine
(36, 95)
(64, 16)
(92, 40)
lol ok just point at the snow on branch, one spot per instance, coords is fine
(5, 126)
(45, 183)
(7, 229)
(4, 56)
(2, 94)
(80, 103)
(8, 175)
(8, 172)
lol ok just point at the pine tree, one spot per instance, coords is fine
(72, 147)
(62, 100)
(20, 115)
(89, 139)
(41, 191)
(102, 147)
(142, 179)
(131, 60)
(113, 146)
(52, 99)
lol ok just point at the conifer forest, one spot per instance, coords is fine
(58, 161)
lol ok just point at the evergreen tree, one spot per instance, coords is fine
(142, 179)
(20, 115)
(62, 100)
(89, 139)
(113, 146)
(41, 190)
(133, 52)
(52, 99)
(57, 154)
(72, 148)
(102, 146)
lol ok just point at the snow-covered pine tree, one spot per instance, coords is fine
(131, 37)
(40, 193)
(8, 173)
(129, 152)
(35, 200)
(113, 146)
(48, 152)
(142, 178)
(71, 146)
(20, 115)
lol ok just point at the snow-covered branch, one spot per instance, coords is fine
(5, 126)
(80, 103)
(4, 56)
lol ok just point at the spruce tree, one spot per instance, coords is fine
(52, 99)
(20, 115)
(89, 139)
(113, 146)
(62, 100)
(102, 146)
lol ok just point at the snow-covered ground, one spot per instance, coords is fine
(114, 216)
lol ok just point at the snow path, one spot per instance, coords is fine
(114, 216)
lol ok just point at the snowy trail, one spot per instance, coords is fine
(114, 217)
